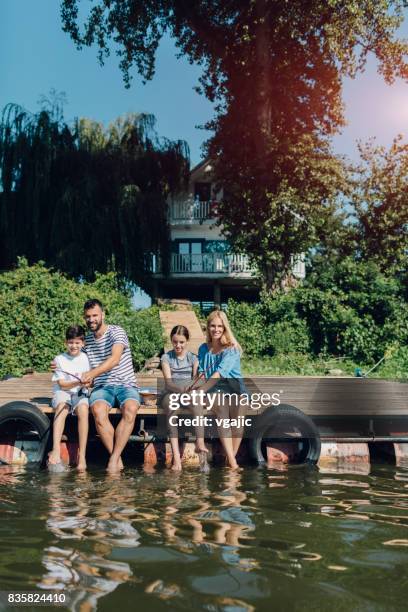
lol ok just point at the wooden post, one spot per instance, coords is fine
(217, 294)
(347, 456)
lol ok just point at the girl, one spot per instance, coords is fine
(220, 365)
(179, 367)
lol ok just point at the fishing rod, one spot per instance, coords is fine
(358, 372)
(83, 390)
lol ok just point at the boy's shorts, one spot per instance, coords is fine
(72, 399)
(114, 395)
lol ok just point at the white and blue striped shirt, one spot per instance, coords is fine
(100, 349)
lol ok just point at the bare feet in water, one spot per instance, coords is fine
(176, 466)
(114, 464)
(54, 457)
(200, 448)
(81, 465)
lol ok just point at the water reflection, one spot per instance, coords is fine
(219, 541)
(99, 514)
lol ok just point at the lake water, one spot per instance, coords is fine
(259, 539)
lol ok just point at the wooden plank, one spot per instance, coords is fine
(316, 396)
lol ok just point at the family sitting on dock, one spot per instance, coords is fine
(96, 371)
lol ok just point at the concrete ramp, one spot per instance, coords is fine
(188, 318)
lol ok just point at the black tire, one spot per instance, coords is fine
(285, 423)
(34, 421)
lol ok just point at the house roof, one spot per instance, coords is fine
(200, 165)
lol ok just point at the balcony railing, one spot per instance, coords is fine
(192, 211)
(205, 263)
(298, 266)
(215, 263)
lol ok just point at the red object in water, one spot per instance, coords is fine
(69, 452)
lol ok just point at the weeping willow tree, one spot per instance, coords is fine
(84, 198)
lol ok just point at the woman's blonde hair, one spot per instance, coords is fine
(227, 339)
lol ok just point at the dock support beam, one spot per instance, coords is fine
(159, 453)
(217, 294)
(401, 453)
(351, 456)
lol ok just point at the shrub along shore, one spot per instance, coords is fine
(342, 317)
(37, 305)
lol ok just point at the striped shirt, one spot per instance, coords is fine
(100, 349)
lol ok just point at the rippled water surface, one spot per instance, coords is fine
(260, 539)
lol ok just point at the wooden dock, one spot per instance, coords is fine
(351, 414)
(37, 389)
(318, 397)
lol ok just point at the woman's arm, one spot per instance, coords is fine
(209, 383)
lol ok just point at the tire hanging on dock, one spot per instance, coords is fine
(24, 432)
(284, 427)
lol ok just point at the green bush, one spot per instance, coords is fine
(37, 305)
(347, 309)
(144, 331)
(396, 366)
(288, 337)
(248, 325)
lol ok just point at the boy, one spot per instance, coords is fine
(67, 394)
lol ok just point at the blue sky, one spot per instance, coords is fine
(38, 56)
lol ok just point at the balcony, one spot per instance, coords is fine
(298, 266)
(217, 264)
(192, 211)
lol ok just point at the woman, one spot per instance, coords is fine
(179, 367)
(220, 366)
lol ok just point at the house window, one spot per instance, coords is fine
(202, 192)
(190, 257)
(188, 247)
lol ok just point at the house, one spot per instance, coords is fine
(203, 267)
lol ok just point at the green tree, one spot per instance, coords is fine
(84, 198)
(274, 69)
(293, 208)
(380, 201)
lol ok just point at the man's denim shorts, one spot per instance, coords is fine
(114, 395)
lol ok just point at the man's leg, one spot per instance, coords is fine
(100, 411)
(123, 432)
(58, 425)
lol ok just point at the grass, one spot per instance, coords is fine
(299, 364)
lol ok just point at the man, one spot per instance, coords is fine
(107, 347)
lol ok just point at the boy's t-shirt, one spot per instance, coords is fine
(77, 365)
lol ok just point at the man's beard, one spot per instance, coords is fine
(97, 328)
